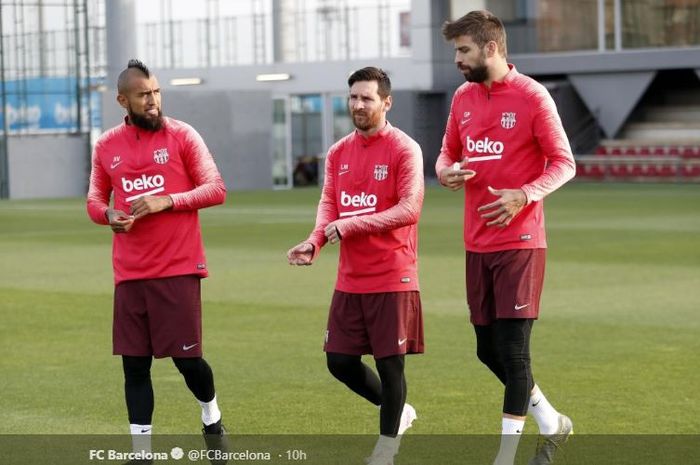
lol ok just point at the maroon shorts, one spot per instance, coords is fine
(159, 317)
(506, 284)
(381, 324)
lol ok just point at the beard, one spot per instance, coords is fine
(145, 121)
(478, 73)
(365, 121)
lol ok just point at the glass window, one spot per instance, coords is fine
(307, 137)
(547, 26)
(342, 123)
(280, 162)
(541, 25)
(660, 23)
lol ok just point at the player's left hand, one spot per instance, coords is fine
(150, 204)
(502, 211)
(332, 233)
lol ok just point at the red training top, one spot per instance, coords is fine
(373, 190)
(512, 136)
(131, 162)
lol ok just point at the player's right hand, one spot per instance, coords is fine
(119, 221)
(455, 176)
(301, 254)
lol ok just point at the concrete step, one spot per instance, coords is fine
(683, 97)
(671, 131)
(670, 113)
(675, 142)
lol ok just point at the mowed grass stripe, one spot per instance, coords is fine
(616, 348)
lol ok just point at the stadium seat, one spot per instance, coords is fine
(691, 170)
(691, 152)
(639, 170)
(667, 170)
(620, 170)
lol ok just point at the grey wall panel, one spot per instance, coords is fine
(422, 116)
(579, 123)
(402, 111)
(430, 118)
(329, 76)
(45, 166)
(549, 64)
(236, 126)
(612, 97)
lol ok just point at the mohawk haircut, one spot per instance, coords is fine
(371, 73)
(134, 64)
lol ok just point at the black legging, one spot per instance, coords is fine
(139, 389)
(387, 390)
(504, 347)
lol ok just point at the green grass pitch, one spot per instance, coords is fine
(617, 347)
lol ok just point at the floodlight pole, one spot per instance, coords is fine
(4, 156)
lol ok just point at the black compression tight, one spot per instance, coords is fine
(139, 390)
(504, 347)
(198, 377)
(387, 390)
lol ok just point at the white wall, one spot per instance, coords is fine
(48, 166)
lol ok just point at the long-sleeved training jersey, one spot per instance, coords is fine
(513, 138)
(130, 162)
(374, 187)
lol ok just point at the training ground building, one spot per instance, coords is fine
(265, 82)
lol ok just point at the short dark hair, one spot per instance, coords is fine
(370, 73)
(481, 25)
(124, 75)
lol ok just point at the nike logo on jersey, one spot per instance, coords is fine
(520, 307)
(343, 172)
(402, 341)
(186, 347)
(116, 161)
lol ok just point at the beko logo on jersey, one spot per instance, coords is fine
(151, 184)
(366, 203)
(361, 200)
(485, 146)
(493, 149)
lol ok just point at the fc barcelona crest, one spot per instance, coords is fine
(381, 172)
(508, 120)
(160, 156)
